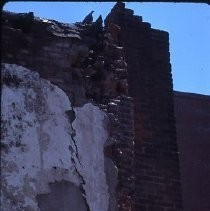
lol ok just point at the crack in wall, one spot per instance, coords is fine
(90, 138)
(72, 117)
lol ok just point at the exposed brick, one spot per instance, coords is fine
(156, 164)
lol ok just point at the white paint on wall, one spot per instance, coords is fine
(91, 135)
(37, 134)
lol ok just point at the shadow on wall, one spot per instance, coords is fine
(63, 195)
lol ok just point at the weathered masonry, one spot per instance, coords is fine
(156, 165)
(88, 121)
(67, 120)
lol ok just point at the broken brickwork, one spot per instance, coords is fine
(87, 64)
(156, 163)
(122, 150)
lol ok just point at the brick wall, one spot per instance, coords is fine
(156, 165)
(122, 151)
(193, 136)
(40, 50)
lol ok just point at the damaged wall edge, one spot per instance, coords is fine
(92, 70)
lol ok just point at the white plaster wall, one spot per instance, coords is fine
(36, 137)
(91, 135)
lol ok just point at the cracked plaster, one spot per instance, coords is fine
(42, 146)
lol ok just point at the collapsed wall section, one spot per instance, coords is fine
(88, 66)
(156, 163)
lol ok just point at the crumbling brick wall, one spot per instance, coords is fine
(156, 164)
(87, 63)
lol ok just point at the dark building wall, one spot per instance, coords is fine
(157, 176)
(193, 135)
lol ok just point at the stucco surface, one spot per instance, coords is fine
(41, 146)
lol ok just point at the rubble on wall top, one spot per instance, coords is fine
(119, 5)
(64, 30)
(27, 21)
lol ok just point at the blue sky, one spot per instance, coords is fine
(188, 25)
